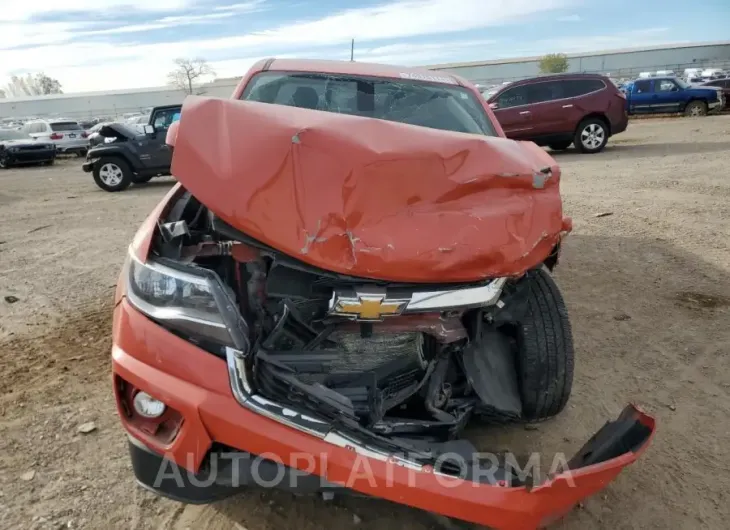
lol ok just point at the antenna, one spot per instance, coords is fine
(352, 50)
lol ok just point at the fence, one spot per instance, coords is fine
(618, 73)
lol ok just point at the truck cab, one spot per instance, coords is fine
(670, 94)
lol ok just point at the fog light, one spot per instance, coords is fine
(147, 406)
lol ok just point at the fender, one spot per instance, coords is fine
(114, 150)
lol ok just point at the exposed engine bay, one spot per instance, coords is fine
(401, 364)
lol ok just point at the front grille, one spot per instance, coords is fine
(358, 354)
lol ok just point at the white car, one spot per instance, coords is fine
(710, 74)
(68, 136)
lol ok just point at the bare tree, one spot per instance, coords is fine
(2, 93)
(189, 72)
(32, 85)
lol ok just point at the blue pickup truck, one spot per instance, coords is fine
(671, 94)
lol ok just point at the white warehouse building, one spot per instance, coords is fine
(107, 104)
(626, 63)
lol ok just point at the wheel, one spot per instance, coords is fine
(591, 136)
(560, 146)
(544, 349)
(112, 174)
(49, 162)
(4, 162)
(142, 179)
(696, 109)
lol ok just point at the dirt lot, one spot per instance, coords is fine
(648, 288)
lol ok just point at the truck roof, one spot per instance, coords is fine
(358, 68)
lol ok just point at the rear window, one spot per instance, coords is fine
(65, 126)
(433, 105)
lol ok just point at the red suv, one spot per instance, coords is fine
(559, 110)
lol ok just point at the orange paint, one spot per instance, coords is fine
(368, 197)
(196, 384)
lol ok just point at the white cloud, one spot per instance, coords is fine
(15, 10)
(400, 19)
(253, 5)
(162, 23)
(569, 18)
(411, 54)
(626, 39)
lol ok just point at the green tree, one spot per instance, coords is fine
(554, 63)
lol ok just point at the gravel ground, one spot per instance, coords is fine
(648, 288)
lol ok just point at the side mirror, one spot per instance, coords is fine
(149, 130)
(494, 105)
(675, 89)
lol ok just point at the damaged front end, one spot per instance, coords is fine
(340, 318)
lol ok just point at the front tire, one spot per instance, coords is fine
(545, 350)
(591, 136)
(4, 164)
(696, 109)
(112, 174)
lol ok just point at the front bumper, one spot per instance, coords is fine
(30, 156)
(197, 385)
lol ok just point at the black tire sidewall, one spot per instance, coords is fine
(127, 177)
(579, 131)
(545, 355)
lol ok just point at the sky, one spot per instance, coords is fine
(113, 44)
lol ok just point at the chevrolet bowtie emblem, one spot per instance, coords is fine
(366, 306)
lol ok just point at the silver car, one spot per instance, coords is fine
(67, 135)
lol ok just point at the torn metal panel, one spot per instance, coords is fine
(116, 130)
(368, 197)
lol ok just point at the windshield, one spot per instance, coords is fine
(433, 105)
(13, 135)
(682, 83)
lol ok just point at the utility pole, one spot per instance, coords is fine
(352, 50)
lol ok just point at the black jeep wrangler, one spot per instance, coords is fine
(127, 156)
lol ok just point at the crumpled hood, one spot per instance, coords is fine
(368, 197)
(111, 130)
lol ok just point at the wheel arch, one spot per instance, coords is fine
(701, 99)
(115, 153)
(597, 115)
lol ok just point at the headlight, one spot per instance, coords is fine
(188, 299)
(13, 149)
